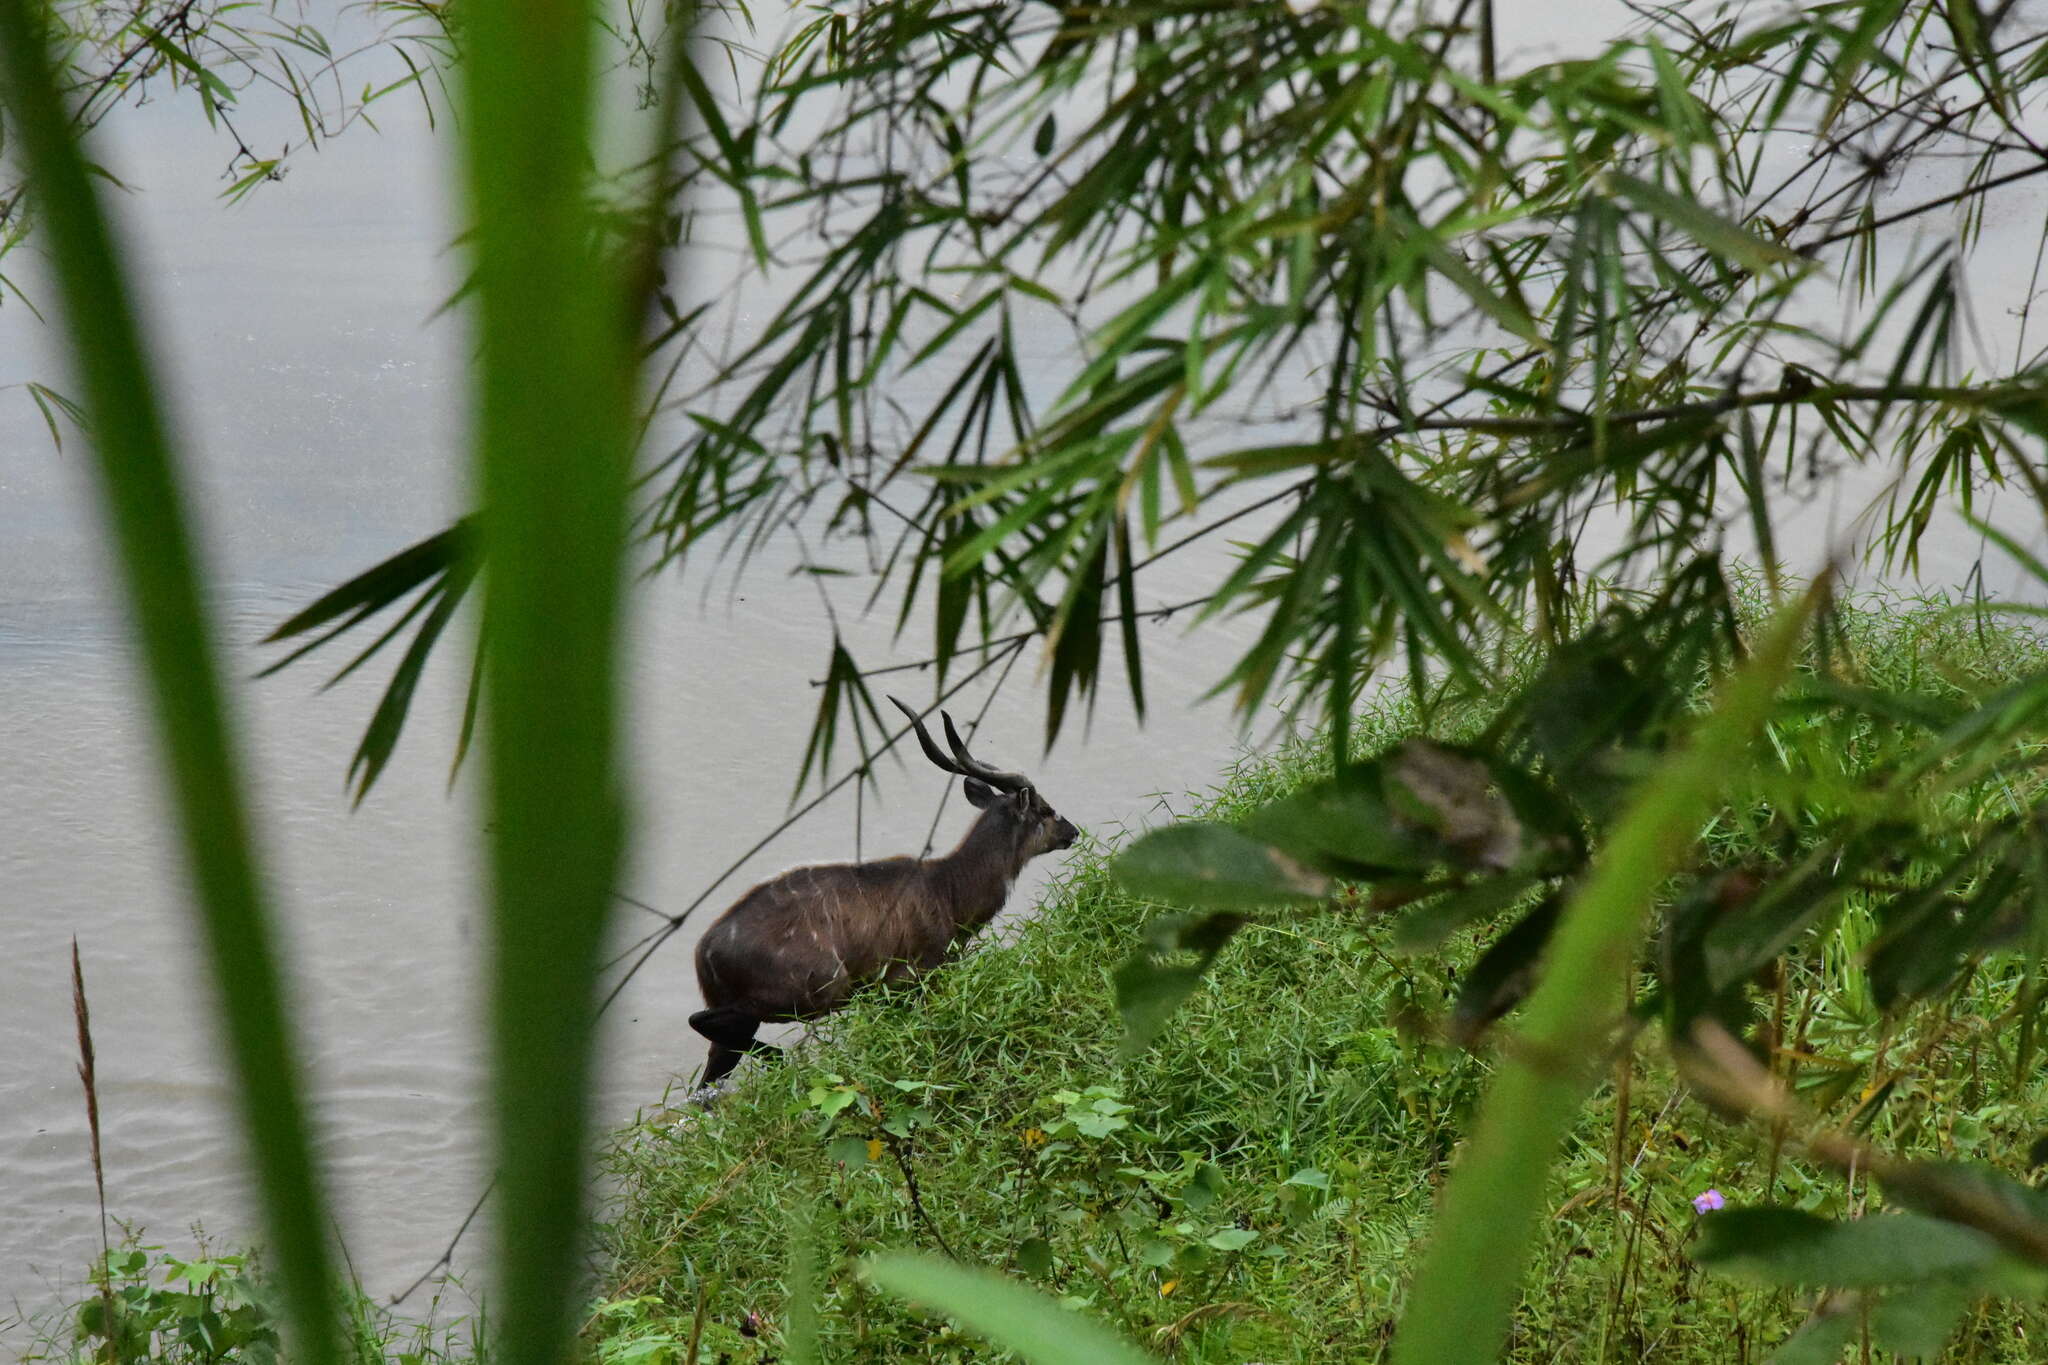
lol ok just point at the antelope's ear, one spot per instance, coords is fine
(979, 794)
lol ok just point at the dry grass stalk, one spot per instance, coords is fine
(89, 1077)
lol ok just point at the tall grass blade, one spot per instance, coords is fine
(143, 500)
(1458, 1309)
(1003, 1311)
(800, 1316)
(554, 404)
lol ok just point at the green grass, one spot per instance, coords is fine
(192, 1302)
(1259, 1184)
(1266, 1192)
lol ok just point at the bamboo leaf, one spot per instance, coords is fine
(382, 584)
(554, 431)
(1457, 1311)
(387, 722)
(178, 57)
(1717, 233)
(1788, 1247)
(1005, 1312)
(142, 495)
(1504, 311)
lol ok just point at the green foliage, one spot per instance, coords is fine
(1150, 986)
(1931, 1273)
(1525, 297)
(150, 1306)
(556, 386)
(1784, 1246)
(206, 1309)
(1474, 1262)
(1444, 346)
(1423, 818)
(642, 1331)
(141, 494)
(1002, 1311)
(213, 52)
(1258, 1183)
(1930, 800)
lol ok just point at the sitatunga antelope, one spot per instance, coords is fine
(798, 946)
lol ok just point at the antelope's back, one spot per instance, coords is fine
(802, 941)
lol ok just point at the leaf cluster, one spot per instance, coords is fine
(1443, 347)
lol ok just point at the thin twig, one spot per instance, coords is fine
(895, 1146)
(447, 1257)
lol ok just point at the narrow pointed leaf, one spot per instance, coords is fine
(1003, 1311)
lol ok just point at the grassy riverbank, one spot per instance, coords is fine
(1256, 1186)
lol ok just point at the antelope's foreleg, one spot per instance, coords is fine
(731, 1032)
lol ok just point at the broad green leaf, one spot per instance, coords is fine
(1458, 1308)
(1201, 864)
(2012, 1214)
(1820, 1341)
(1345, 824)
(1148, 989)
(1425, 928)
(1921, 953)
(1783, 1246)
(1002, 1311)
(1034, 1256)
(1918, 1322)
(1420, 805)
(1738, 930)
(1504, 974)
(1204, 1188)
(142, 495)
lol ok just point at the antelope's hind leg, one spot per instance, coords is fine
(731, 1032)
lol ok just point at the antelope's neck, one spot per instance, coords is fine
(980, 872)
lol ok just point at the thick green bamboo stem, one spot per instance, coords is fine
(1459, 1306)
(554, 414)
(142, 497)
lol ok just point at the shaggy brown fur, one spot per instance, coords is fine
(799, 946)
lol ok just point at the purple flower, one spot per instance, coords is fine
(1708, 1202)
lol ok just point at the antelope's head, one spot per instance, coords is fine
(1031, 825)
